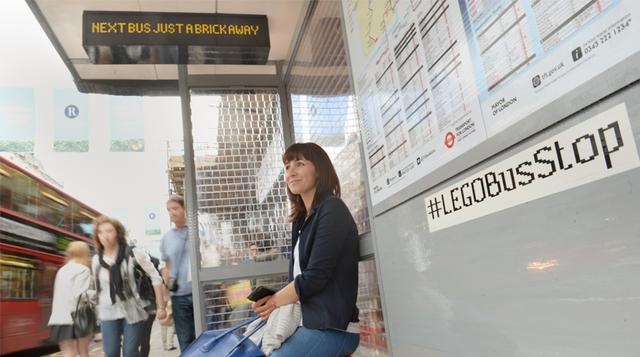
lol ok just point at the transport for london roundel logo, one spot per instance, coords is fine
(449, 140)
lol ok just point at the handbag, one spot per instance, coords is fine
(226, 343)
(143, 284)
(143, 281)
(84, 317)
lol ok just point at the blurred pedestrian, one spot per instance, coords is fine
(71, 282)
(121, 310)
(175, 254)
(145, 333)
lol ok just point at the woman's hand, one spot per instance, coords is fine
(264, 307)
(161, 314)
(161, 304)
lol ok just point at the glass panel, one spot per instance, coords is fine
(48, 272)
(242, 200)
(324, 111)
(18, 192)
(82, 224)
(53, 208)
(17, 277)
(225, 304)
(373, 339)
(324, 108)
(28, 197)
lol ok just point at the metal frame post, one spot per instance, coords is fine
(286, 111)
(372, 237)
(191, 196)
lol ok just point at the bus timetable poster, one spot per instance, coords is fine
(434, 78)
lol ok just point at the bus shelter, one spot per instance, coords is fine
(233, 181)
(487, 150)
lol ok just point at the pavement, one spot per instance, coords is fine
(157, 350)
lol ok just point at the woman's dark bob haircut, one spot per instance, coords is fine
(327, 182)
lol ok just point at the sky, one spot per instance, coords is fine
(127, 185)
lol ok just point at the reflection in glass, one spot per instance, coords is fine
(542, 265)
(242, 201)
(373, 339)
(323, 105)
(225, 301)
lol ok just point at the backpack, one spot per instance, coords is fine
(143, 281)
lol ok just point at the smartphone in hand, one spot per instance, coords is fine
(260, 292)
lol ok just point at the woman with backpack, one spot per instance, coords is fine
(121, 309)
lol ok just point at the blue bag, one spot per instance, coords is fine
(225, 343)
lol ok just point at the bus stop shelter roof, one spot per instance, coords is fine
(62, 22)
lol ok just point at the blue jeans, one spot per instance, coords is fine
(114, 330)
(306, 342)
(183, 317)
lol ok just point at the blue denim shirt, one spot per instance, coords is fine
(329, 253)
(175, 243)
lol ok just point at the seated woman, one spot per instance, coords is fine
(323, 269)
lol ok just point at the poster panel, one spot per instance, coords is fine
(127, 124)
(597, 148)
(71, 121)
(434, 78)
(17, 119)
(151, 221)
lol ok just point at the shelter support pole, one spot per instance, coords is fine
(191, 196)
(286, 111)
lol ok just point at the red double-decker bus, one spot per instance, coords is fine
(37, 222)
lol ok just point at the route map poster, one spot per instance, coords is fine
(434, 78)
